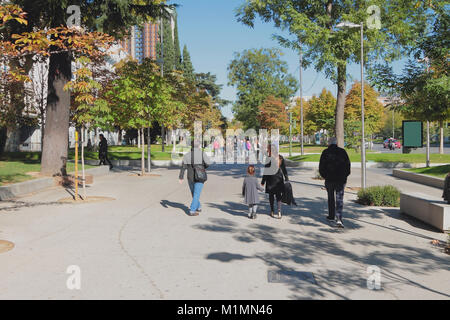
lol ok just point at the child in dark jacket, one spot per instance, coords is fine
(250, 191)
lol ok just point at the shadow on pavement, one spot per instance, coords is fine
(293, 250)
(18, 205)
(166, 204)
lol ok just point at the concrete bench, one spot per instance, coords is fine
(431, 210)
(419, 178)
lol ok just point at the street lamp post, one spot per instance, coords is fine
(290, 134)
(363, 142)
(290, 130)
(301, 100)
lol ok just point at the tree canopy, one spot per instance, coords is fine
(272, 114)
(319, 112)
(390, 28)
(373, 109)
(186, 66)
(257, 74)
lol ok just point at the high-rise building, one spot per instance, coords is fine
(142, 42)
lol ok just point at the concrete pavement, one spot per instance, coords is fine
(143, 245)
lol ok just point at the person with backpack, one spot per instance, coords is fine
(195, 162)
(334, 167)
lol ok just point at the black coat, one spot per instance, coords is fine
(334, 165)
(103, 148)
(275, 182)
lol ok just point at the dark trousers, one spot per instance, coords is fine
(335, 199)
(104, 159)
(272, 200)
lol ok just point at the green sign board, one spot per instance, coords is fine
(412, 134)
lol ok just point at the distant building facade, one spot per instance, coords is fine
(142, 42)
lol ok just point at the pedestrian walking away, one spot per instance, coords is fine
(334, 167)
(250, 189)
(195, 162)
(274, 182)
(103, 152)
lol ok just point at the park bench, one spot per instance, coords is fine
(431, 210)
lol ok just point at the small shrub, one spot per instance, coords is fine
(380, 196)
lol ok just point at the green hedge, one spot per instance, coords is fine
(380, 196)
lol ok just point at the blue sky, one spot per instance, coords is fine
(212, 34)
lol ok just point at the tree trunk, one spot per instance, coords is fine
(82, 162)
(441, 137)
(163, 135)
(340, 105)
(56, 134)
(139, 138)
(174, 137)
(2, 139)
(143, 153)
(42, 131)
(120, 137)
(149, 151)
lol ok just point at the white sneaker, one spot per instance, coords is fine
(339, 224)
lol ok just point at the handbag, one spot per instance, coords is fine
(199, 171)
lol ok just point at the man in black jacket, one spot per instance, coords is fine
(103, 152)
(334, 167)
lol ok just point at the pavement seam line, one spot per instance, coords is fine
(161, 294)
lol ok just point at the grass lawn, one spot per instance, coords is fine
(17, 171)
(296, 147)
(14, 166)
(439, 171)
(382, 157)
(129, 153)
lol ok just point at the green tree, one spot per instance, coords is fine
(187, 67)
(169, 46)
(139, 97)
(320, 112)
(392, 124)
(257, 74)
(309, 127)
(424, 88)
(113, 17)
(87, 105)
(313, 24)
(373, 109)
(177, 48)
(207, 82)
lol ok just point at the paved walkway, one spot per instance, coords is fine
(143, 245)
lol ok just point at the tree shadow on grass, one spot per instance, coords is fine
(6, 179)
